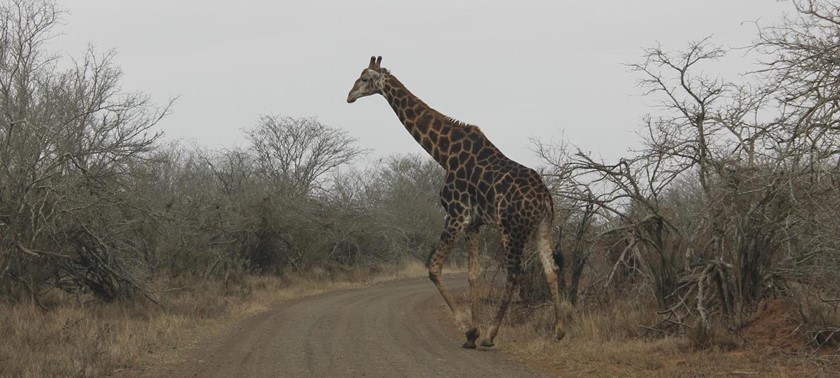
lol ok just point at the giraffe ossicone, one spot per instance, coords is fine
(482, 186)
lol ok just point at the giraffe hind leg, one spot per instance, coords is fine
(543, 241)
(515, 247)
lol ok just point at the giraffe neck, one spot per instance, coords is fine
(431, 129)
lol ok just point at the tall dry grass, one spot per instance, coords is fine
(609, 341)
(79, 338)
(612, 338)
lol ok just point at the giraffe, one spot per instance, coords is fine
(482, 186)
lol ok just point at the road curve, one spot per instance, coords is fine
(390, 330)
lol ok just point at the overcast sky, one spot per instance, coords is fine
(518, 69)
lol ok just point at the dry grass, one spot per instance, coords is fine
(608, 341)
(74, 338)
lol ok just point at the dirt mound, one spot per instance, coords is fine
(774, 325)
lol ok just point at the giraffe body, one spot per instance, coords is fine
(482, 186)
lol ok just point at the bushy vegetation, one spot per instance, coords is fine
(732, 197)
(93, 202)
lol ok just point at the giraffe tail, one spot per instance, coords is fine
(560, 262)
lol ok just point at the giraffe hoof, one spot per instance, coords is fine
(487, 344)
(472, 335)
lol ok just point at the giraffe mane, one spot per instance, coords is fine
(458, 122)
(454, 121)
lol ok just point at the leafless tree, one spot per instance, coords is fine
(606, 205)
(299, 152)
(728, 198)
(68, 141)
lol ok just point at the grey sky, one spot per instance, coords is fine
(518, 69)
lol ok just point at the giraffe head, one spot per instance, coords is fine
(369, 82)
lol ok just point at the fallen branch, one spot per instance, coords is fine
(22, 248)
(184, 288)
(826, 336)
(653, 329)
(36, 253)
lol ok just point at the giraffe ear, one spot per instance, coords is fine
(372, 62)
(373, 74)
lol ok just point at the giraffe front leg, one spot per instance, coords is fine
(473, 332)
(436, 261)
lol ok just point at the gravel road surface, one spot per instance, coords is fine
(397, 329)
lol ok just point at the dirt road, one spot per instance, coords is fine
(390, 330)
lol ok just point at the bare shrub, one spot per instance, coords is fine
(68, 142)
(730, 199)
